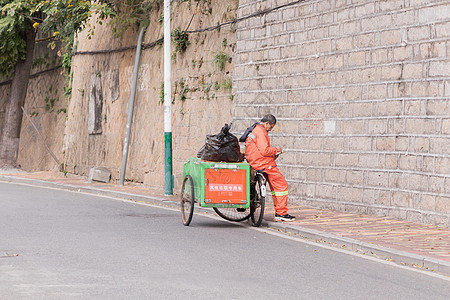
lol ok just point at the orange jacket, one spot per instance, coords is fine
(258, 152)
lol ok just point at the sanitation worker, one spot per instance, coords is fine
(261, 157)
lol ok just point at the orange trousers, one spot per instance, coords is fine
(279, 188)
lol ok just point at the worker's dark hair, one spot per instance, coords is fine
(269, 118)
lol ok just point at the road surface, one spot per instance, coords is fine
(57, 244)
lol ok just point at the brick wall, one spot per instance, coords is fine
(361, 91)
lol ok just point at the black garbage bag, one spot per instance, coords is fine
(221, 147)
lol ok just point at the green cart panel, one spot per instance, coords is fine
(219, 184)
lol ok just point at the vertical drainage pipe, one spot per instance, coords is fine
(131, 107)
(168, 178)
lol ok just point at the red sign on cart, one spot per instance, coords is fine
(225, 186)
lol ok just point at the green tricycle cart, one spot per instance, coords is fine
(234, 190)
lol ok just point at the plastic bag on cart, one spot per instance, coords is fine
(221, 147)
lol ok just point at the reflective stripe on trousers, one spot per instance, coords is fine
(279, 188)
(280, 193)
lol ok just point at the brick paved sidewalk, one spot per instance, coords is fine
(425, 240)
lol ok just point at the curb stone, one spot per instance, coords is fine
(380, 252)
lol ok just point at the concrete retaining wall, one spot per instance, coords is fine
(45, 104)
(204, 106)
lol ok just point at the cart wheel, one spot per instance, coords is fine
(233, 214)
(187, 200)
(257, 203)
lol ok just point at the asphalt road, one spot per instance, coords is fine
(64, 245)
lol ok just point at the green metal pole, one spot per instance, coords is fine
(168, 177)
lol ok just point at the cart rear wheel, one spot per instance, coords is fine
(233, 214)
(257, 203)
(187, 200)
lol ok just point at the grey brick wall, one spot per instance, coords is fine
(361, 90)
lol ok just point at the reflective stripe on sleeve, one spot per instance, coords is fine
(252, 135)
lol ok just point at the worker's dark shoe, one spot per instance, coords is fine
(284, 218)
(241, 209)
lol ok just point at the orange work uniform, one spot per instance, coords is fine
(261, 157)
